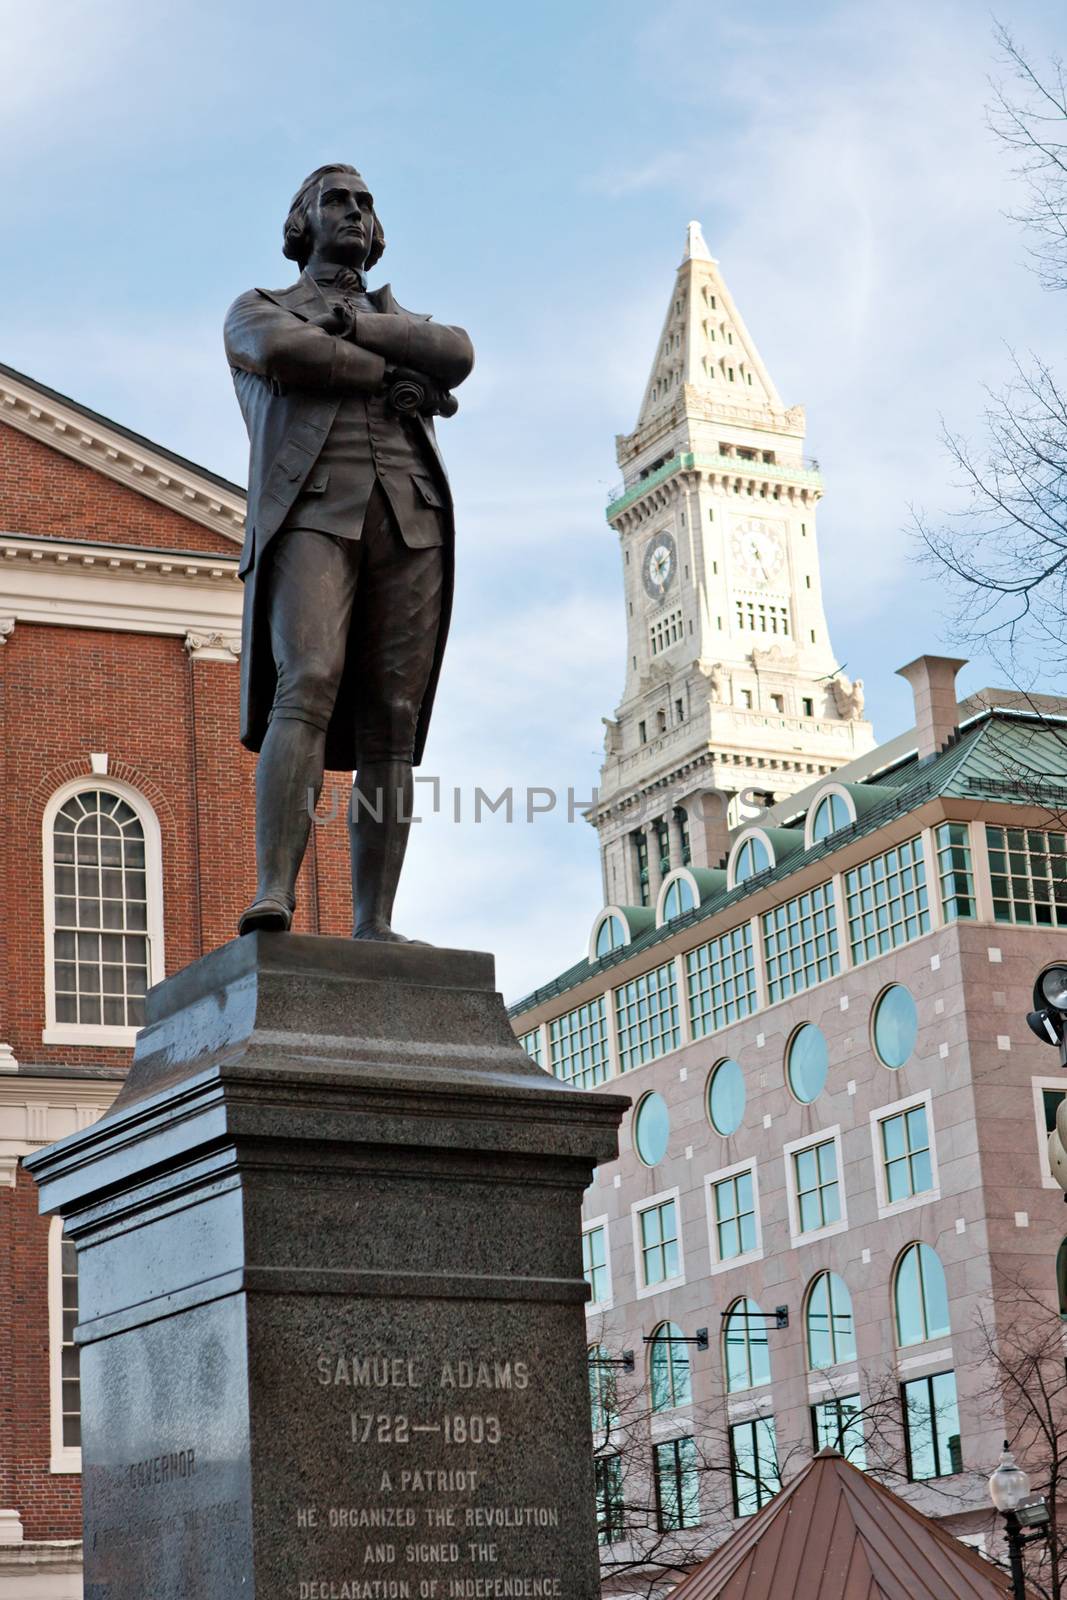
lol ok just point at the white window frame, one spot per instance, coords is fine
(718, 1264)
(644, 1291)
(1039, 1087)
(826, 1136)
(823, 793)
(880, 1115)
(590, 1227)
(101, 1035)
(63, 1457)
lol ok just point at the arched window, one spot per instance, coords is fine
(603, 1396)
(611, 935)
(678, 899)
(1061, 1277)
(752, 857)
(920, 1296)
(103, 912)
(831, 1329)
(746, 1348)
(831, 813)
(668, 1368)
(65, 1384)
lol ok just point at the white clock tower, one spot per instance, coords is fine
(732, 687)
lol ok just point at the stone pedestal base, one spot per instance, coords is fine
(332, 1324)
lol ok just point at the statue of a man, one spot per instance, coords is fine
(347, 562)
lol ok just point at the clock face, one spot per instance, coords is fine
(758, 550)
(657, 567)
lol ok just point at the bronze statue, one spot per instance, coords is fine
(347, 561)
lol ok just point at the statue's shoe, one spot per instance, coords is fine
(386, 935)
(266, 916)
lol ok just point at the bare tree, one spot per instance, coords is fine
(1006, 550)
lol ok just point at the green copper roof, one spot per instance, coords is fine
(732, 466)
(1006, 756)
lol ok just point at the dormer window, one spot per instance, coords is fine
(831, 813)
(611, 935)
(678, 899)
(752, 857)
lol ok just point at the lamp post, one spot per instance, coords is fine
(1048, 1020)
(1009, 1490)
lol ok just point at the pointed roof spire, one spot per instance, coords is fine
(696, 246)
(704, 344)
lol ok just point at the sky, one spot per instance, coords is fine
(535, 167)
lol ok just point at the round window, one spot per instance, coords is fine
(808, 1062)
(652, 1126)
(896, 1026)
(726, 1097)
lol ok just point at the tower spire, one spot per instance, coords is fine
(705, 354)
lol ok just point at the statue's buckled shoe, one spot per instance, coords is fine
(268, 915)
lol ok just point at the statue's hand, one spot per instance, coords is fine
(340, 319)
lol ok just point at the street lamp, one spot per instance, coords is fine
(1048, 1019)
(1009, 1490)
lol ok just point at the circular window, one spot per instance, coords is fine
(807, 1063)
(652, 1126)
(726, 1097)
(896, 1026)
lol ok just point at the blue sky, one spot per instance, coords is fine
(535, 168)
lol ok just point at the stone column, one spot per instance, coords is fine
(331, 1293)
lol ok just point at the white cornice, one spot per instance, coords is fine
(38, 1111)
(87, 585)
(136, 465)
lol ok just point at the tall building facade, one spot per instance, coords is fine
(833, 1194)
(732, 687)
(126, 853)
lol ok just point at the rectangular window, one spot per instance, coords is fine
(641, 855)
(734, 1213)
(595, 1264)
(815, 1185)
(809, 707)
(954, 871)
(932, 1427)
(578, 1045)
(663, 845)
(759, 616)
(69, 1354)
(681, 817)
(677, 1485)
(721, 980)
(837, 1424)
(753, 1465)
(610, 1519)
(886, 900)
(800, 943)
(531, 1043)
(778, 702)
(1049, 1095)
(1028, 874)
(906, 1162)
(658, 1243)
(646, 1014)
(665, 632)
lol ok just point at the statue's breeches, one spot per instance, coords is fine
(364, 611)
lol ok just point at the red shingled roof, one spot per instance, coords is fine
(836, 1534)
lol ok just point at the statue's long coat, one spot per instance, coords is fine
(290, 378)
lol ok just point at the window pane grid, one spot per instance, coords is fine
(69, 1355)
(830, 1327)
(594, 1263)
(735, 1216)
(610, 1517)
(531, 1043)
(677, 1485)
(1028, 875)
(955, 871)
(815, 1180)
(800, 942)
(659, 1243)
(887, 901)
(721, 980)
(100, 943)
(753, 1465)
(746, 1348)
(669, 1379)
(646, 1014)
(906, 1154)
(578, 1045)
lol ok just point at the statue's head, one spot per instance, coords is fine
(322, 213)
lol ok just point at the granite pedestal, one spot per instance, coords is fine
(331, 1318)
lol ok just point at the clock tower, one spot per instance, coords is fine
(733, 695)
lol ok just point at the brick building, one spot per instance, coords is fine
(126, 853)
